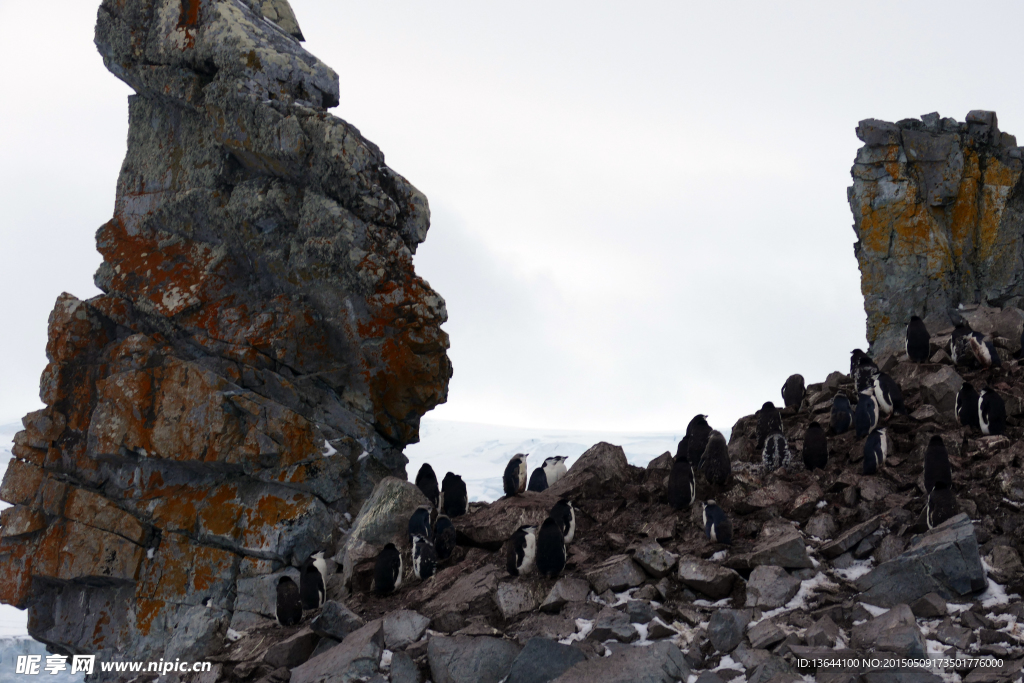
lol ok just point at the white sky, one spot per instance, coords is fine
(639, 209)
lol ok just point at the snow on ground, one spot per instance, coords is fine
(480, 452)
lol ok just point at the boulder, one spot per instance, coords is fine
(654, 559)
(617, 573)
(542, 660)
(492, 524)
(940, 388)
(403, 627)
(469, 593)
(944, 561)
(515, 597)
(765, 634)
(661, 662)
(850, 538)
(611, 624)
(821, 526)
(383, 519)
(600, 466)
(404, 669)
(725, 628)
(770, 586)
(358, 655)
(929, 606)
(706, 577)
(895, 631)
(336, 621)
(465, 659)
(822, 633)
(292, 651)
(566, 589)
(781, 545)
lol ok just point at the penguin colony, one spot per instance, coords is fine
(541, 547)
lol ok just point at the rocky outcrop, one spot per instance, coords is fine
(262, 351)
(938, 208)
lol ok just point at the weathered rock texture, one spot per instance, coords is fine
(262, 351)
(938, 210)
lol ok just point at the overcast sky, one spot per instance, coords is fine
(639, 209)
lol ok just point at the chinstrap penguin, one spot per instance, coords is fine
(682, 488)
(918, 340)
(551, 553)
(424, 558)
(876, 450)
(841, 417)
(967, 406)
(768, 420)
(289, 604)
(454, 499)
(426, 481)
(775, 453)
(862, 370)
(698, 432)
(522, 551)
(419, 524)
(888, 395)
(936, 464)
(514, 479)
(815, 451)
(554, 468)
(940, 505)
(538, 481)
(387, 572)
(444, 537)
(715, 463)
(717, 526)
(793, 391)
(866, 416)
(991, 412)
(564, 513)
(313, 581)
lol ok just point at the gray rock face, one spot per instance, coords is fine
(895, 631)
(725, 628)
(543, 660)
(822, 633)
(770, 587)
(706, 577)
(661, 662)
(292, 651)
(611, 624)
(920, 188)
(780, 545)
(357, 656)
(566, 589)
(655, 560)
(404, 669)
(601, 464)
(515, 597)
(940, 388)
(617, 573)
(944, 561)
(403, 627)
(464, 659)
(336, 621)
(850, 538)
(765, 634)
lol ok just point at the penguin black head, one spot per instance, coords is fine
(915, 319)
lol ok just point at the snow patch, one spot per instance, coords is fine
(385, 660)
(995, 594)
(724, 602)
(729, 663)
(874, 611)
(719, 556)
(234, 635)
(583, 629)
(328, 450)
(858, 569)
(799, 601)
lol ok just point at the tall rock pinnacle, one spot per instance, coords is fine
(938, 210)
(261, 354)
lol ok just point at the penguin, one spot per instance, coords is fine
(815, 447)
(424, 558)
(313, 581)
(522, 551)
(876, 450)
(444, 537)
(841, 418)
(419, 524)
(776, 452)
(289, 604)
(514, 478)
(768, 420)
(967, 406)
(715, 463)
(793, 391)
(554, 468)
(717, 526)
(387, 573)
(564, 513)
(538, 481)
(682, 488)
(984, 351)
(426, 481)
(971, 349)
(940, 505)
(551, 554)
(936, 464)
(918, 340)
(699, 431)
(991, 412)
(888, 394)
(454, 498)
(862, 370)
(865, 418)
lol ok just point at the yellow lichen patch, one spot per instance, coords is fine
(145, 612)
(221, 513)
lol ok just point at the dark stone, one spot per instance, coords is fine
(336, 621)
(543, 660)
(929, 606)
(765, 634)
(466, 659)
(357, 656)
(725, 628)
(292, 651)
(661, 662)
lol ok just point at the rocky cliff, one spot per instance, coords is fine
(824, 564)
(938, 208)
(262, 352)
